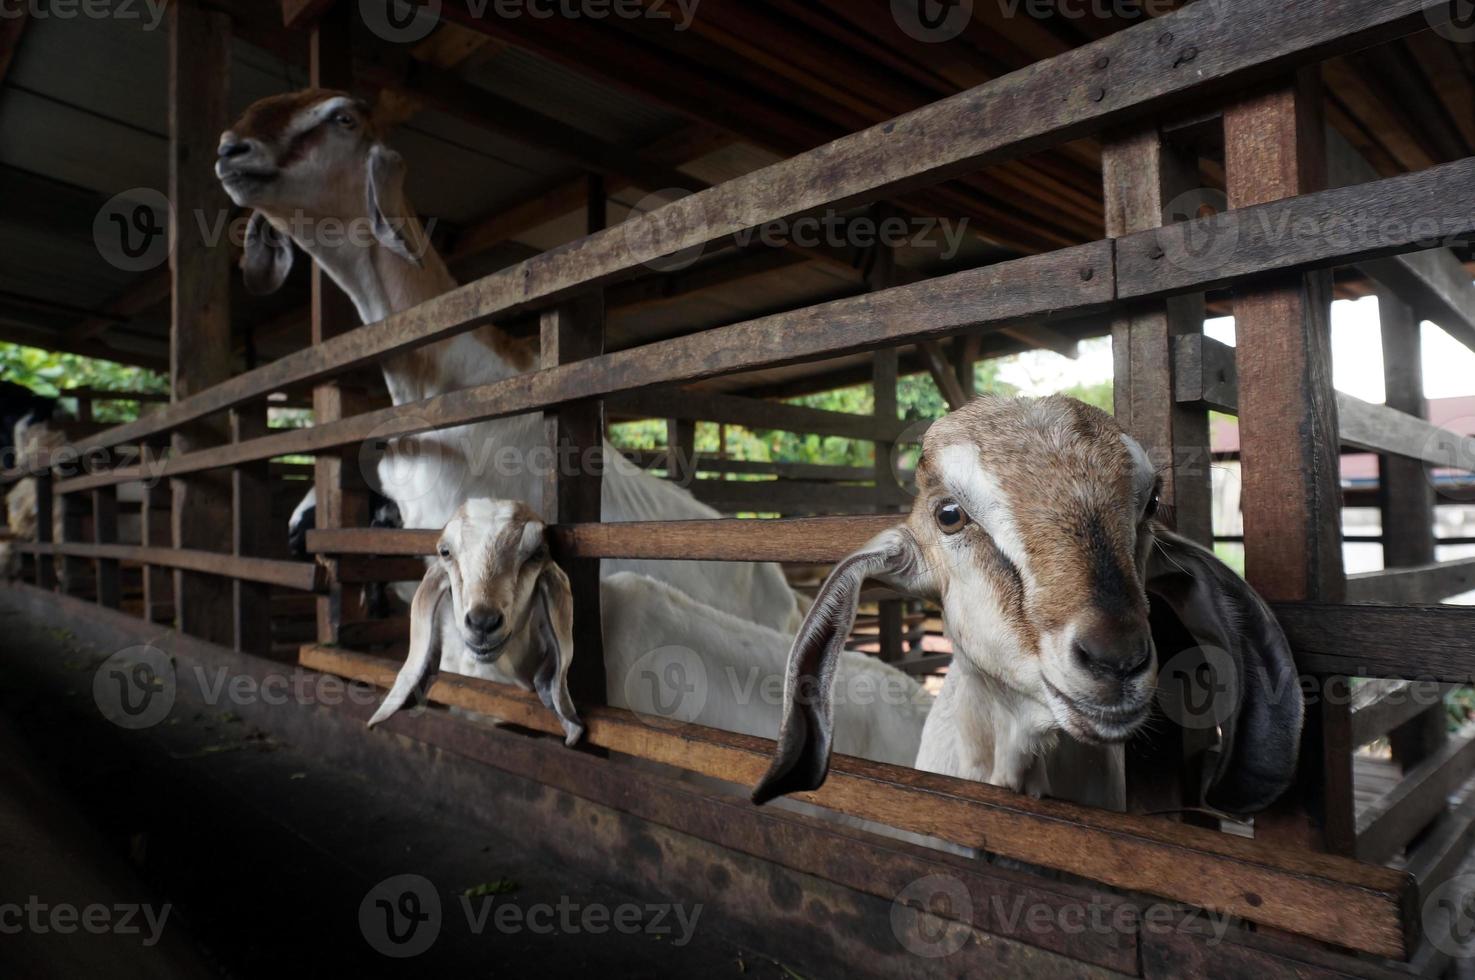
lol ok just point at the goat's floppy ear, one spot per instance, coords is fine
(425, 642)
(393, 227)
(555, 625)
(267, 257)
(1260, 725)
(802, 758)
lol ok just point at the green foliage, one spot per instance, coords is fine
(51, 373)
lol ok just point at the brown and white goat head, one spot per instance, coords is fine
(493, 604)
(1033, 528)
(313, 164)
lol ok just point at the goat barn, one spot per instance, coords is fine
(613, 486)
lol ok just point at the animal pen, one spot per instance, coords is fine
(1339, 139)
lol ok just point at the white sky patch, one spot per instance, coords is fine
(1357, 358)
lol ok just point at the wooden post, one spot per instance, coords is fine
(250, 525)
(1275, 148)
(573, 486)
(342, 500)
(45, 521)
(105, 531)
(891, 613)
(1406, 498)
(681, 451)
(1144, 176)
(73, 570)
(154, 531)
(200, 340)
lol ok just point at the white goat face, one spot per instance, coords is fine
(1033, 520)
(493, 552)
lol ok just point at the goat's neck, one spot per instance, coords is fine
(380, 283)
(983, 730)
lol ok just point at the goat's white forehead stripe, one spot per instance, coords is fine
(982, 497)
(315, 114)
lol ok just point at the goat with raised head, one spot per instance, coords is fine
(1034, 528)
(495, 605)
(314, 168)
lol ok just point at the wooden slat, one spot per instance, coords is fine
(1392, 821)
(1414, 642)
(1380, 429)
(1367, 221)
(1204, 371)
(1048, 103)
(931, 354)
(1418, 585)
(105, 531)
(287, 574)
(1309, 894)
(753, 413)
(1073, 279)
(1380, 706)
(250, 527)
(812, 539)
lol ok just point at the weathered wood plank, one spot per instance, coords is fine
(1392, 821)
(288, 574)
(1380, 706)
(199, 337)
(1381, 429)
(1204, 371)
(105, 531)
(1417, 585)
(1310, 894)
(754, 413)
(1413, 642)
(1070, 280)
(1274, 148)
(1050, 102)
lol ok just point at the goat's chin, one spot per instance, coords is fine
(1094, 724)
(485, 653)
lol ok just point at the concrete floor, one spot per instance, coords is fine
(266, 856)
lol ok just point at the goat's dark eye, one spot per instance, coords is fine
(1152, 505)
(951, 517)
(345, 120)
(445, 552)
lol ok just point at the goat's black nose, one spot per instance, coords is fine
(1113, 654)
(484, 621)
(234, 148)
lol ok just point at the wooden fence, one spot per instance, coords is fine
(1244, 73)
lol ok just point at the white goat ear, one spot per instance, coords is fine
(801, 759)
(425, 642)
(1260, 725)
(392, 225)
(267, 257)
(555, 625)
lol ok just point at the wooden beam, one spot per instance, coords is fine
(301, 14)
(1336, 900)
(145, 294)
(1382, 705)
(1381, 429)
(753, 413)
(302, 576)
(105, 531)
(932, 355)
(1415, 585)
(1389, 823)
(199, 85)
(251, 531)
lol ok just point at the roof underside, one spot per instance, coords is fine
(83, 117)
